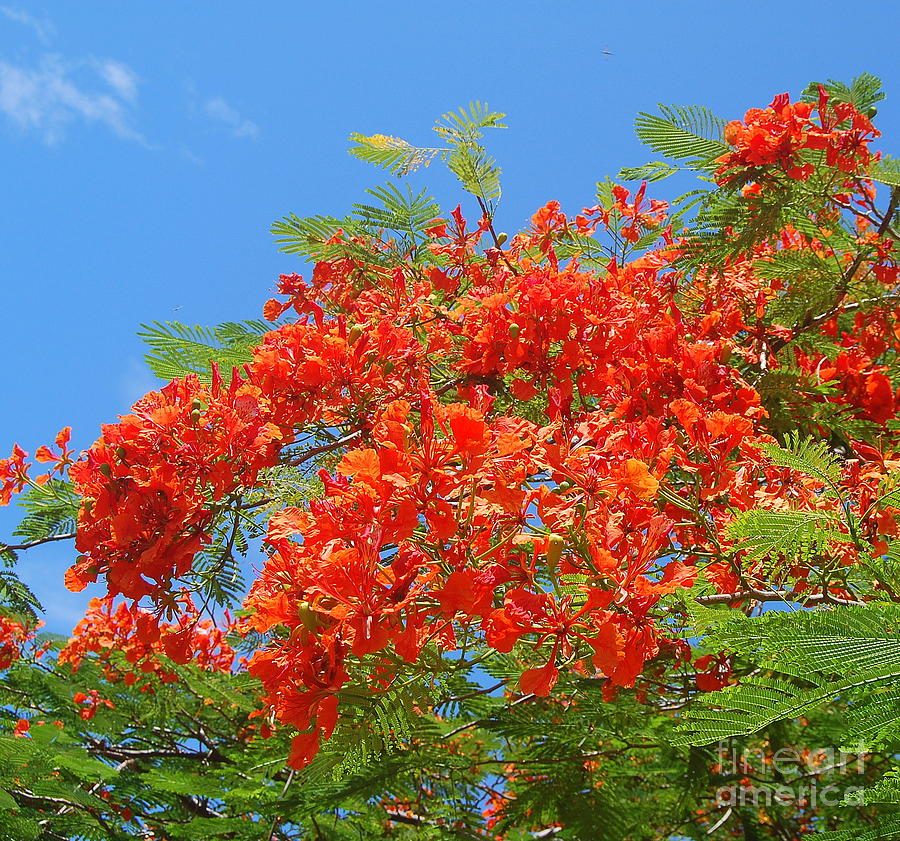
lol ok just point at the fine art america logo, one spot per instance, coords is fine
(821, 776)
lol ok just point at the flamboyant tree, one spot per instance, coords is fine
(517, 510)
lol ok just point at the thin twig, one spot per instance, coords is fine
(17, 547)
(312, 452)
(277, 818)
(487, 215)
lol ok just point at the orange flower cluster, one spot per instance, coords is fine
(778, 135)
(88, 703)
(13, 635)
(636, 217)
(109, 627)
(152, 484)
(13, 474)
(14, 470)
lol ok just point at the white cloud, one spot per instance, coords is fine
(43, 27)
(48, 97)
(219, 110)
(119, 77)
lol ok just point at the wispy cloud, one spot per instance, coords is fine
(46, 98)
(42, 26)
(189, 155)
(220, 111)
(119, 77)
(45, 94)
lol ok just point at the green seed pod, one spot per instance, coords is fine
(308, 616)
(555, 546)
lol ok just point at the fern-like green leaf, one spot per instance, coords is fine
(806, 455)
(401, 211)
(847, 654)
(683, 132)
(654, 171)
(793, 535)
(179, 349)
(863, 92)
(50, 510)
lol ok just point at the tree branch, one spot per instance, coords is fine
(773, 596)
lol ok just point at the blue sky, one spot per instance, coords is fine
(147, 147)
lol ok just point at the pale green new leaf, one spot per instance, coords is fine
(465, 125)
(392, 153)
(477, 171)
(653, 171)
(886, 171)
